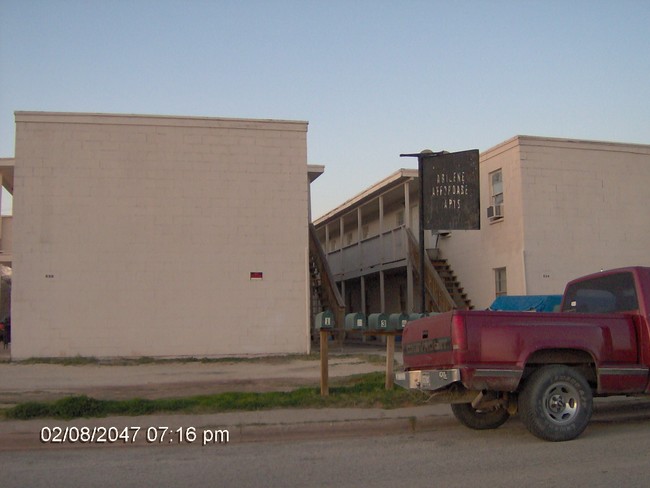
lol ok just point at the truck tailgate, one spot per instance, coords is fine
(428, 341)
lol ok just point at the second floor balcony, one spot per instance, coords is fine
(386, 250)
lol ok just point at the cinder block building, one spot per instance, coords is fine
(551, 210)
(160, 236)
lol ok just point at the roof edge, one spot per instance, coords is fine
(368, 193)
(158, 120)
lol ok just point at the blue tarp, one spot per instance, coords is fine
(532, 303)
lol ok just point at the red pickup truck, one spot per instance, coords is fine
(547, 367)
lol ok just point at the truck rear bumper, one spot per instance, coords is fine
(433, 379)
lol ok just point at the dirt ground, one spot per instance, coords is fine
(21, 382)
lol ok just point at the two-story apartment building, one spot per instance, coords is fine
(551, 209)
(160, 236)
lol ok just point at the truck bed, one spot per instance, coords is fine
(491, 349)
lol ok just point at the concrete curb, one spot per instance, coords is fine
(258, 426)
(271, 425)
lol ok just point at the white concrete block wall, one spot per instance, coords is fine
(136, 236)
(586, 209)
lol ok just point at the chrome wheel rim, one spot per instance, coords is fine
(561, 403)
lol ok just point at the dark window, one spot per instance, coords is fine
(607, 294)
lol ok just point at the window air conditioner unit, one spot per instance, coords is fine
(495, 212)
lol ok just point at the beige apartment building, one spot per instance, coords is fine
(551, 210)
(160, 236)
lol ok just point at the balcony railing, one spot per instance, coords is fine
(441, 300)
(385, 248)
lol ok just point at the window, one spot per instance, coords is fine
(495, 210)
(496, 187)
(604, 294)
(500, 282)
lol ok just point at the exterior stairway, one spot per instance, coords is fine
(324, 293)
(442, 288)
(438, 298)
(452, 284)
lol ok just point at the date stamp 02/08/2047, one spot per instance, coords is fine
(132, 435)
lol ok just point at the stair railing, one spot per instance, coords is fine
(434, 285)
(331, 291)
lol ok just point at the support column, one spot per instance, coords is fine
(410, 301)
(359, 226)
(382, 292)
(327, 238)
(363, 301)
(381, 229)
(359, 264)
(407, 204)
(409, 287)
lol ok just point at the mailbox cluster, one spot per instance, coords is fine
(374, 321)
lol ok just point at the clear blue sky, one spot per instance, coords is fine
(373, 78)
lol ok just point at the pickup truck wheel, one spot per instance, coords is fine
(556, 403)
(479, 419)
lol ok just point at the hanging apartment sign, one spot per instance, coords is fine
(450, 190)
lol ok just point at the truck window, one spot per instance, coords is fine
(607, 294)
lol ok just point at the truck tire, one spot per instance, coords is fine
(479, 419)
(556, 403)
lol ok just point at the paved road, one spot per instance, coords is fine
(612, 452)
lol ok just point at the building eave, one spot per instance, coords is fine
(314, 171)
(373, 191)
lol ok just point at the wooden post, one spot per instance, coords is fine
(390, 353)
(324, 373)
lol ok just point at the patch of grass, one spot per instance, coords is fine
(360, 391)
(361, 357)
(65, 408)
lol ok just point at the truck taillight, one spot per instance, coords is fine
(458, 333)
